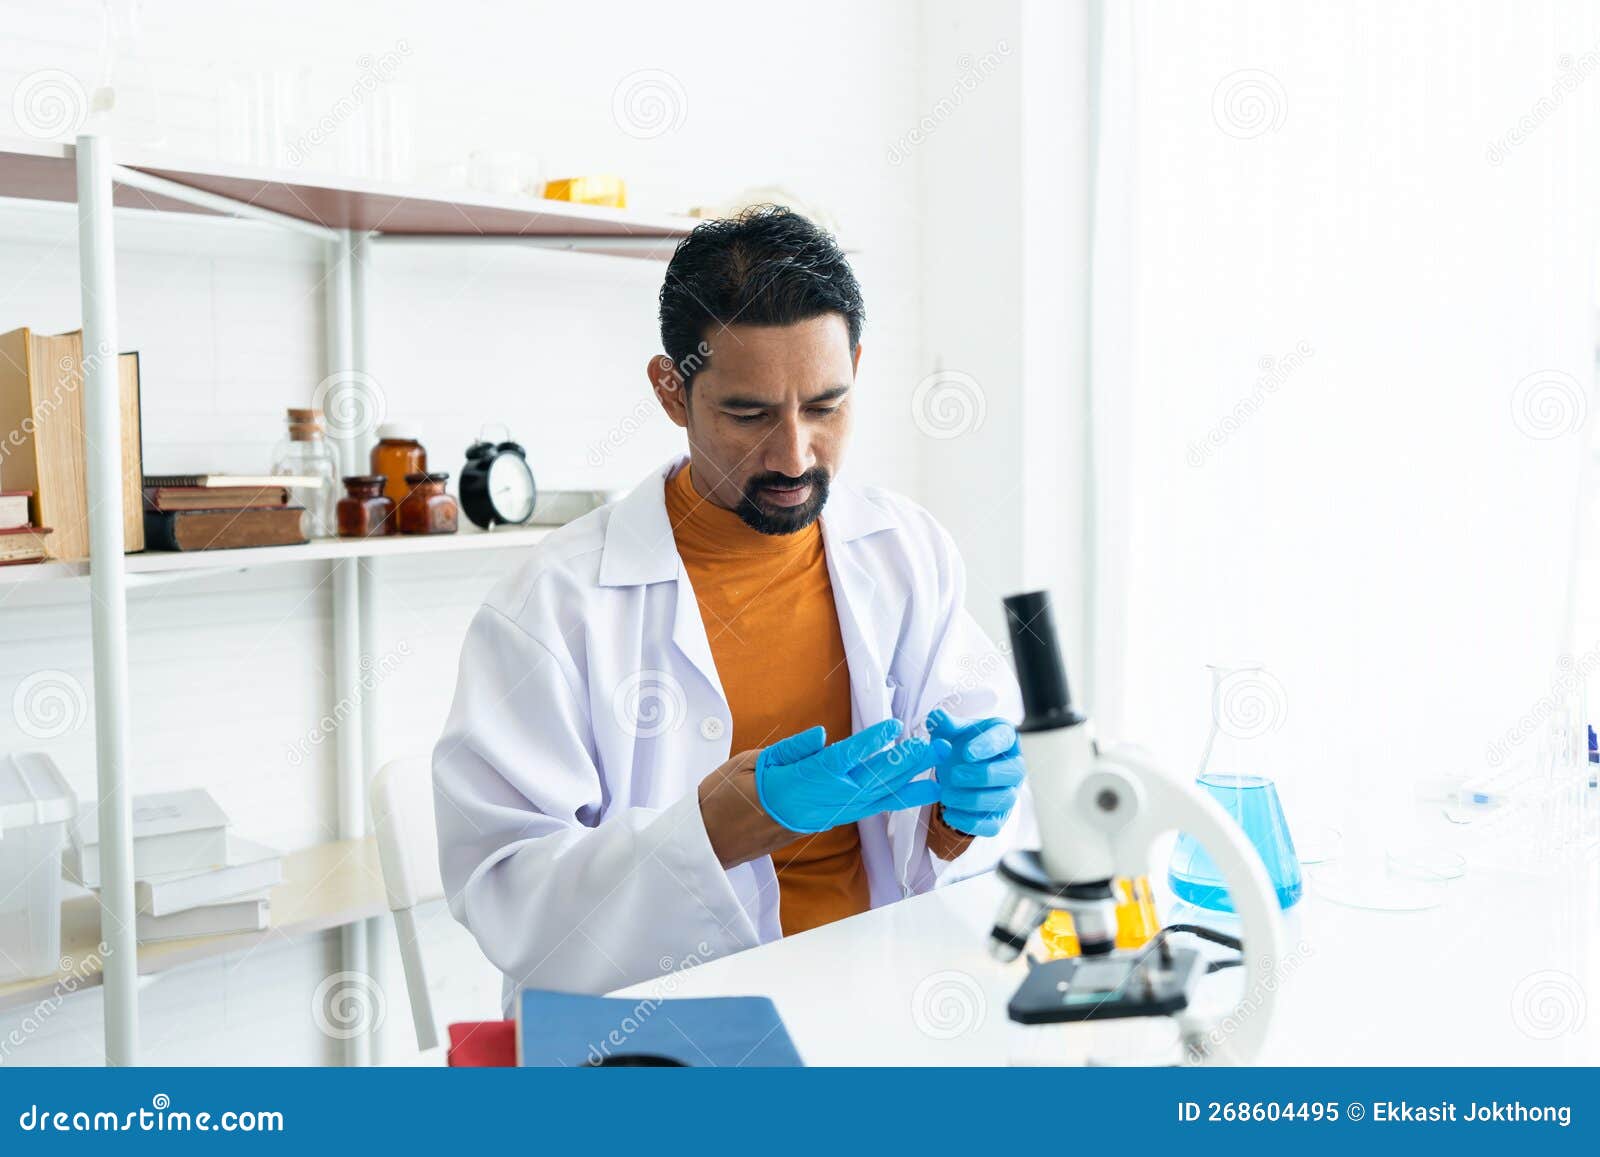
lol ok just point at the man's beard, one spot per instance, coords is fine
(783, 519)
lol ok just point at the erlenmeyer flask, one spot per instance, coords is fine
(1247, 704)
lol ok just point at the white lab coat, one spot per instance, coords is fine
(588, 709)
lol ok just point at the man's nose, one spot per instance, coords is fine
(788, 451)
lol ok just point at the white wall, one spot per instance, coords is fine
(229, 672)
(1003, 162)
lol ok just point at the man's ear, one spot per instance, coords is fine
(668, 385)
(855, 359)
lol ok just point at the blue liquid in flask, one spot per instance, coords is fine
(1252, 801)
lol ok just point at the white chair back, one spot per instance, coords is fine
(408, 849)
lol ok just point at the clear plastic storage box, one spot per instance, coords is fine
(36, 807)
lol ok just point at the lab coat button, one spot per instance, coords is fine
(711, 727)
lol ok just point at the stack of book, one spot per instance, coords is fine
(192, 877)
(221, 511)
(20, 540)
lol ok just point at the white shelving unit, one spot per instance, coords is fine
(325, 886)
(162, 564)
(347, 216)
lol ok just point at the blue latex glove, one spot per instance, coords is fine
(978, 782)
(808, 787)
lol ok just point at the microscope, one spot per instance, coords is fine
(1100, 809)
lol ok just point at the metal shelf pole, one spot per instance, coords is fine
(346, 638)
(358, 449)
(102, 410)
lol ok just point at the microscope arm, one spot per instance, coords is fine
(1165, 803)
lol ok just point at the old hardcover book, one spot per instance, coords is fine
(41, 408)
(221, 481)
(13, 506)
(22, 544)
(224, 529)
(215, 498)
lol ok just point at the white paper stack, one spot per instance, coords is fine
(191, 878)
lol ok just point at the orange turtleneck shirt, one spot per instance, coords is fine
(767, 603)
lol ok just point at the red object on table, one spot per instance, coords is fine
(483, 1044)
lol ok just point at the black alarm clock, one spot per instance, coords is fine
(497, 484)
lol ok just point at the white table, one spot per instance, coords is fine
(1506, 971)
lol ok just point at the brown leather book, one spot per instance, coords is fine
(223, 529)
(213, 497)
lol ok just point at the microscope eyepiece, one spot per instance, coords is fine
(1046, 699)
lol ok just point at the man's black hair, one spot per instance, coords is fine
(767, 266)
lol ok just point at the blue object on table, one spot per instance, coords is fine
(1252, 801)
(565, 1029)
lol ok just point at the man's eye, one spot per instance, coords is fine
(746, 419)
(824, 411)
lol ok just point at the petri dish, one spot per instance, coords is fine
(1375, 887)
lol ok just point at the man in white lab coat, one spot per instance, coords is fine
(746, 699)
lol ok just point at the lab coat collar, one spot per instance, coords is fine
(639, 548)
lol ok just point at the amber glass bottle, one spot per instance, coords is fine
(366, 511)
(426, 508)
(399, 452)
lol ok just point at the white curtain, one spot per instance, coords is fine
(1342, 367)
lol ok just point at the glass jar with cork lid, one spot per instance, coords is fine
(305, 453)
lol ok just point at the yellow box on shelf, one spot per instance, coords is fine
(608, 191)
